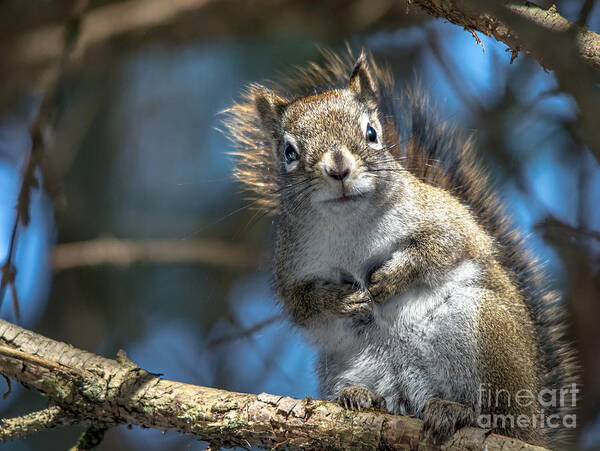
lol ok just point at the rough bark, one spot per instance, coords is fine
(477, 15)
(570, 50)
(34, 422)
(92, 390)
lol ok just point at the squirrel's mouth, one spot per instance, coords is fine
(344, 198)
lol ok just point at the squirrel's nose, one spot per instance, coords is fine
(338, 164)
(338, 173)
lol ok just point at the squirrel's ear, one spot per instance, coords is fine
(361, 82)
(269, 107)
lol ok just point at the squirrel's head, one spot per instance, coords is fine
(329, 148)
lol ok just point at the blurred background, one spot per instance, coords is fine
(140, 240)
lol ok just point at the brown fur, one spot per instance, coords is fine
(309, 299)
(521, 331)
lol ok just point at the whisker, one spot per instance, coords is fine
(257, 216)
(301, 197)
(217, 221)
(293, 185)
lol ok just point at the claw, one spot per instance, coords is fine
(359, 398)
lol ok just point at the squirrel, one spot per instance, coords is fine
(396, 259)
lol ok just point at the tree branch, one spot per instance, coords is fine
(113, 251)
(39, 131)
(475, 15)
(247, 332)
(570, 50)
(96, 390)
(111, 29)
(35, 422)
(560, 232)
(586, 9)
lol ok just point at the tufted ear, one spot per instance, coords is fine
(362, 84)
(269, 107)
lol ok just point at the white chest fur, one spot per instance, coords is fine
(333, 250)
(417, 345)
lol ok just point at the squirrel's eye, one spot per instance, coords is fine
(371, 134)
(289, 153)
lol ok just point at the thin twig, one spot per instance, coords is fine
(8, 387)
(584, 14)
(39, 131)
(91, 438)
(245, 333)
(30, 358)
(550, 225)
(451, 72)
(478, 41)
(51, 417)
(22, 217)
(8, 270)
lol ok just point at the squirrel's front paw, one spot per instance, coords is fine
(380, 285)
(346, 299)
(356, 398)
(441, 419)
(356, 303)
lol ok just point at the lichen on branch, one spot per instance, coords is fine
(89, 389)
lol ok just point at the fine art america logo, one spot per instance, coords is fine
(548, 400)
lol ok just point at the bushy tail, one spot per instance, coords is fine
(438, 155)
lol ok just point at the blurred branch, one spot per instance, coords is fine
(30, 182)
(139, 17)
(245, 333)
(586, 9)
(113, 251)
(39, 131)
(97, 390)
(558, 231)
(111, 29)
(100, 24)
(570, 50)
(579, 254)
(91, 438)
(8, 271)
